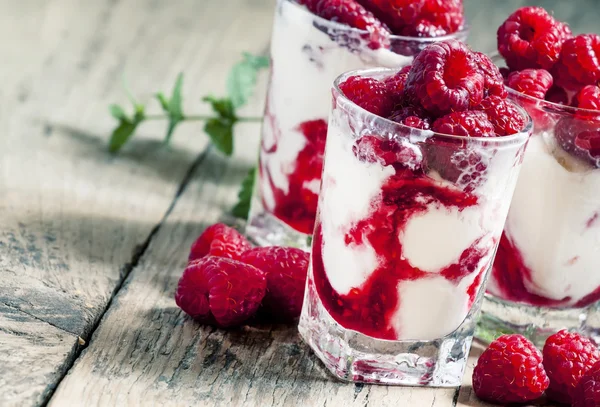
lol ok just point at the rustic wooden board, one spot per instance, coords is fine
(30, 348)
(73, 219)
(164, 357)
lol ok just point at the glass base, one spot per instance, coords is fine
(264, 229)
(500, 317)
(352, 356)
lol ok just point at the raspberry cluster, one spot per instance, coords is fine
(512, 370)
(227, 280)
(381, 18)
(545, 61)
(448, 89)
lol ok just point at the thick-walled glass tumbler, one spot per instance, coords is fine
(546, 275)
(407, 228)
(307, 54)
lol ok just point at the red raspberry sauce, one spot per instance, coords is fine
(510, 274)
(298, 207)
(369, 308)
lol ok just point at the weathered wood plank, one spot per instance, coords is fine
(72, 216)
(19, 334)
(164, 357)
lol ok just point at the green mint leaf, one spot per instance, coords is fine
(223, 107)
(117, 112)
(220, 131)
(164, 102)
(241, 80)
(174, 108)
(242, 207)
(121, 135)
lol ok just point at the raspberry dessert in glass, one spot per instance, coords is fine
(546, 274)
(420, 166)
(314, 41)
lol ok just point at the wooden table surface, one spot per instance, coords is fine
(92, 245)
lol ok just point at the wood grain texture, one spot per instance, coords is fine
(20, 334)
(146, 350)
(73, 217)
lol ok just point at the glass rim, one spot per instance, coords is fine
(524, 133)
(556, 107)
(463, 31)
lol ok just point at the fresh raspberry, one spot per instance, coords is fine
(468, 123)
(372, 149)
(587, 392)
(395, 84)
(416, 122)
(504, 115)
(220, 291)
(580, 138)
(530, 38)
(465, 168)
(368, 93)
(219, 240)
(532, 82)
(510, 370)
(567, 356)
(419, 18)
(556, 94)
(351, 13)
(412, 116)
(565, 31)
(445, 77)
(588, 98)
(579, 63)
(286, 269)
(493, 84)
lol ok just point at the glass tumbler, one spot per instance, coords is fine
(407, 228)
(307, 54)
(546, 275)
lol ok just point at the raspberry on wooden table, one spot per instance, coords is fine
(445, 77)
(503, 114)
(219, 240)
(567, 357)
(220, 291)
(467, 123)
(368, 93)
(587, 392)
(531, 38)
(286, 269)
(510, 370)
(579, 62)
(532, 82)
(353, 14)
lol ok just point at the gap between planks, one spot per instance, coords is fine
(129, 266)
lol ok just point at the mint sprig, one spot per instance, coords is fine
(241, 83)
(242, 207)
